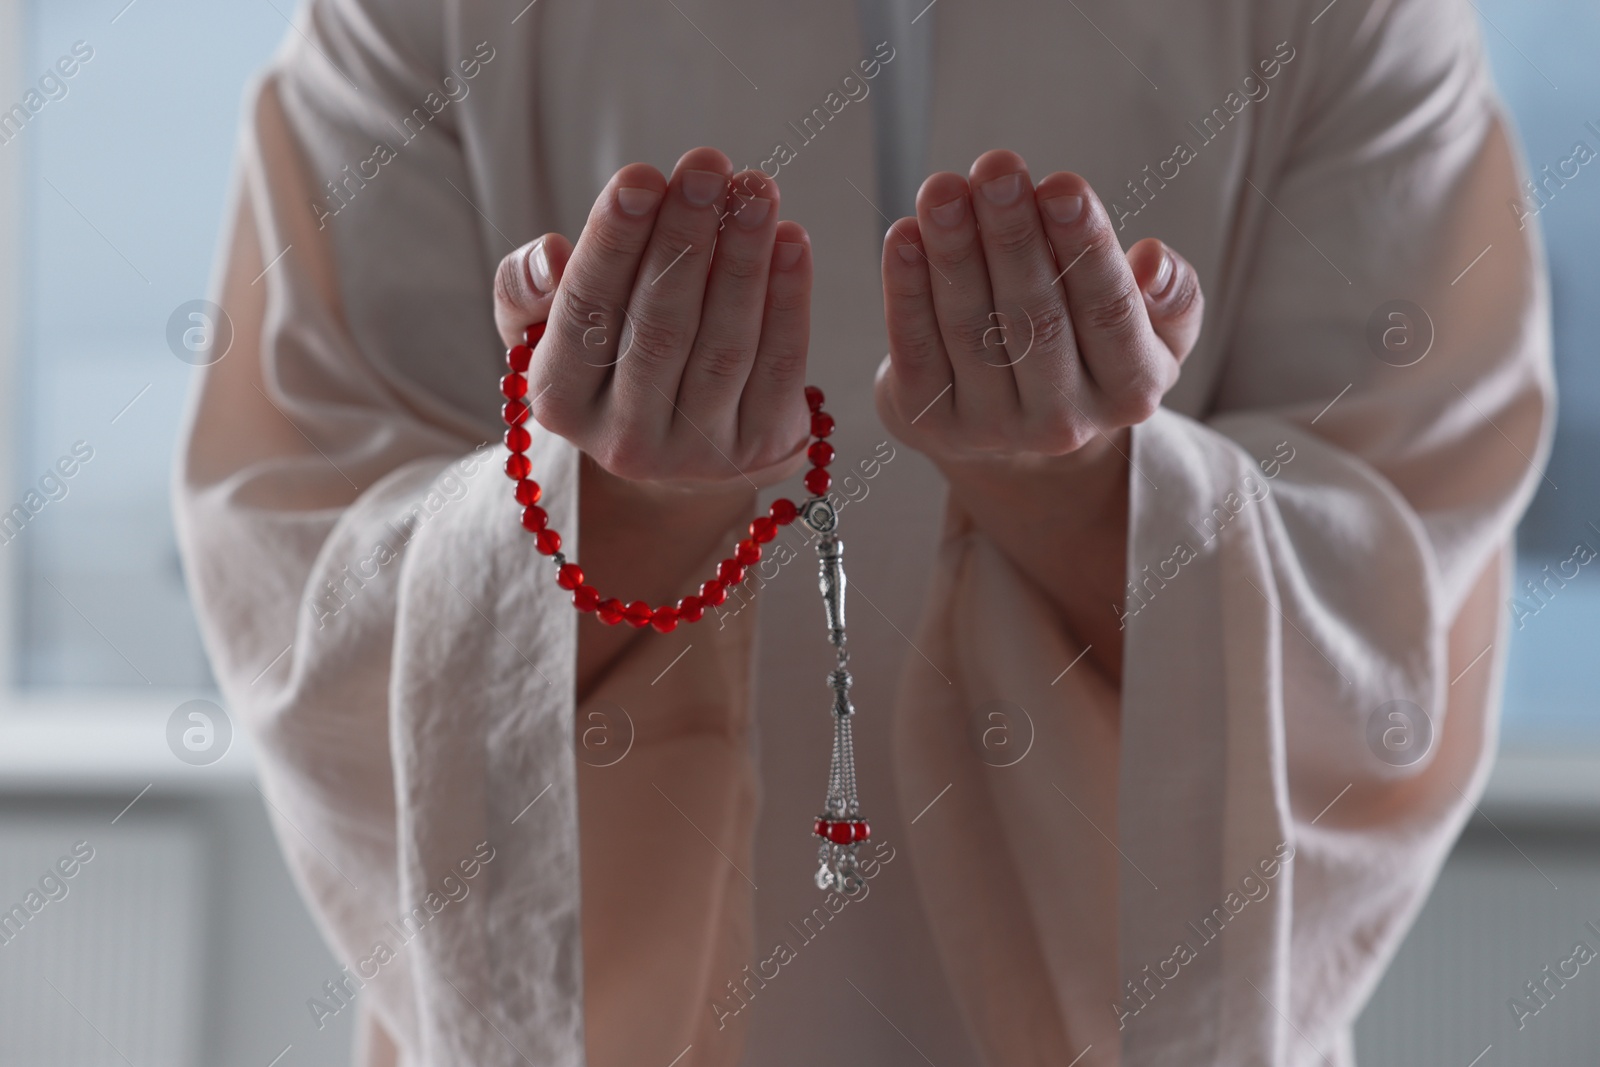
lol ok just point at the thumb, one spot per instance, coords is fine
(1172, 294)
(525, 284)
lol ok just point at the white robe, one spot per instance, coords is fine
(427, 708)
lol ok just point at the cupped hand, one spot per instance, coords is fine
(676, 330)
(1017, 325)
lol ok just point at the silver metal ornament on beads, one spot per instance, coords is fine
(837, 864)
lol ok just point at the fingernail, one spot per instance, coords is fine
(637, 201)
(949, 214)
(539, 268)
(701, 187)
(909, 253)
(1164, 276)
(1064, 209)
(786, 254)
(1002, 191)
(753, 213)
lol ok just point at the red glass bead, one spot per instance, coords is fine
(665, 619)
(515, 412)
(783, 511)
(518, 438)
(518, 466)
(690, 608)
(814, 398)
(820, 827)
(817, 481)
(534, 518)
(638, 614)
(610, 611)
(821, 453)
(518, 357)
(747, 552)
(513, 387)
(840, 833)
(763, 530)
(730, 572)
(863, 830)
(569, 576)
(713, 592)
(548, 542)
(529, 493)
(585, 598)
(821, 424)
(531, 335)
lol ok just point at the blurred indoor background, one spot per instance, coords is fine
(181, 941)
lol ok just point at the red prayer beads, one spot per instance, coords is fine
(639, 614)
(842, 831)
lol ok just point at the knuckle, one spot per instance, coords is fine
(722, 359)
(510, 289)
(1114, 311)
(741, 268)
(787, 300)
(1137, 401)
(610, 241)
(971, 335)
(781, 362)
(1015, 237)
(1186, 298)
(581, 321)
(1052, 326)
(917, 348)
(628, 456)
(655, 341)
(958, 256)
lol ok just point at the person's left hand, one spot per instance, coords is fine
(1017, 325)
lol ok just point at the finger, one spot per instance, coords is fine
(525, 283)
(774, 421)
(1029, 301)
(920, 380)
(584, 324)
(1172, 295)
(1129, 367)
(985, 392)
(669, 290)
(730, 321)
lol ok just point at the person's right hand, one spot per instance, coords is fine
(675, 347)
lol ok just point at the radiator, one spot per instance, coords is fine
(107, 970)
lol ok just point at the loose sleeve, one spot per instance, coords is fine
(1316, 569)
(374, 613)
